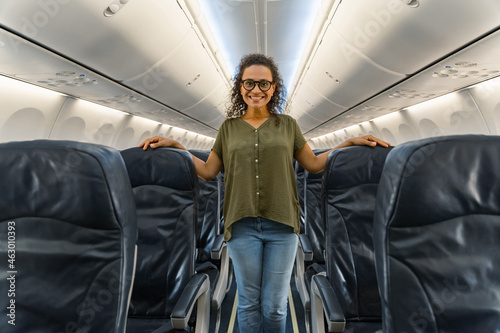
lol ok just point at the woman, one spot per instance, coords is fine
(256, 146)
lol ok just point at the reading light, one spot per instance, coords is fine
(411, 3)
(114, 7)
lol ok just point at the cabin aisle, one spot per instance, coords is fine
(229, 324)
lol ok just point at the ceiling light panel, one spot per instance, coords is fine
(289, 18)
(252, 32)
(241, 38)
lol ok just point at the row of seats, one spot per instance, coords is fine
(410, 238)
(104, 241)
(337, 240)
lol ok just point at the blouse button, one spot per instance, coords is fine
(256, 161)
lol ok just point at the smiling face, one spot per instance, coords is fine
(256, 98)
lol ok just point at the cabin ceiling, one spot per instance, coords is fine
(164, 60)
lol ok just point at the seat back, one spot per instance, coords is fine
(67, 220)
(350, 186)
(314, 227)
(208, 225)
(437, 236)
(300, 181)
(165, 187)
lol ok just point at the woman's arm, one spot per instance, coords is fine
(205, 170)
(315, 164)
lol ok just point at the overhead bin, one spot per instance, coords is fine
(406, 39)
(162, 57)
(403, 39)
(472, 65)
(80, 30)
(304, 120)
(182, 78)
(316, 104)
(467, 67)
(343, 76)
(28, 62)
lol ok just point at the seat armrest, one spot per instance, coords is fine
(223, 282)
(304, 250)
(216, 251)
(324, 303)
(305, 245)
(197, 291)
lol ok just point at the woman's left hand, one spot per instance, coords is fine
(367, 140)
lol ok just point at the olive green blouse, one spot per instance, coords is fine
(259, 173)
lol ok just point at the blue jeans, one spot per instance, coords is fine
(263, 253)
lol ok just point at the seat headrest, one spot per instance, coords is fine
(162, 166)
(42, 176)
(451, 176)
(351, 166)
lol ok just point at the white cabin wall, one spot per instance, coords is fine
(188, 139)
(475, 110)
(487, 98)
(135, 130)
(83, 121)
(336, 138)
(27, 112)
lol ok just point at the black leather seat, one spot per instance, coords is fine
(209, 212)
(348, 294)
(69, 227)
(166, 287)
(438, 234)
(301, 186)
(212, 253)
(310, 253)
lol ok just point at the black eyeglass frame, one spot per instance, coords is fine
(257, 82)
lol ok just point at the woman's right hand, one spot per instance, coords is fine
(159, 141)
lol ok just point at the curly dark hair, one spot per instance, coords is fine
(276, 105)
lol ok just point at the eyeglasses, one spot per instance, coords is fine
(249, 84)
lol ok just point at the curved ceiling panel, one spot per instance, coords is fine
(80, 30)
(469, 66)
(211, 109)
(304, 120)
(180, 80)
(345, 76)
(415, 36)
(30, 63)
(316, 105)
